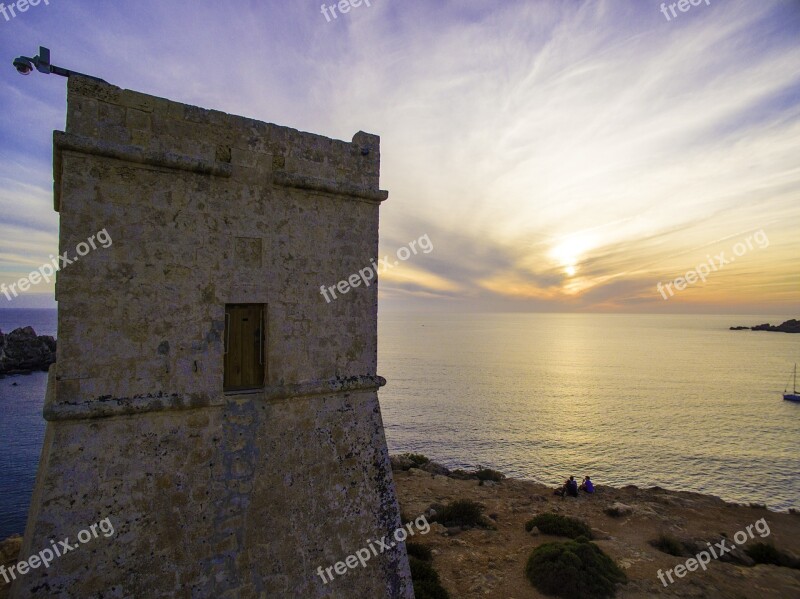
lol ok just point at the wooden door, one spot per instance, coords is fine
(244, 347)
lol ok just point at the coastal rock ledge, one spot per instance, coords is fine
(643, 530)
(790, 326)
(23, 352)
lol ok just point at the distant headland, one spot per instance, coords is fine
(790, 326)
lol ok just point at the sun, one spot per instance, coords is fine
(568, 253)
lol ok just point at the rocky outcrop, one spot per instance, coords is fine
(790, 326)
(412, 461)
(22, 351)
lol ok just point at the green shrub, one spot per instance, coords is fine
(417, 459)
(560, 526)
(481, 474)
(573, 570)
(426, 580)
(419, 551)
(581, 539)
(668, 544)
(489, 474)
(461, 512)
(762, 553)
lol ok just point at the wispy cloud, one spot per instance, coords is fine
(560, 155)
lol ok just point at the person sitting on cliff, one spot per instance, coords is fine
(587, 485)
(570, 488)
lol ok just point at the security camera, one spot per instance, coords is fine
(23, 65)
(41, 63)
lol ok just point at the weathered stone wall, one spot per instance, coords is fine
(184, 245)
(212, 495)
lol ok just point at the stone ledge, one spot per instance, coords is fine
(285, 179)
(128, 153)
(107, 407)
(336, 385)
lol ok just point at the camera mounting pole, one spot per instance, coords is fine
(41, 63)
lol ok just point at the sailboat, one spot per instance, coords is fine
(793, 396)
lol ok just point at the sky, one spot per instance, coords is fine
(569, 156)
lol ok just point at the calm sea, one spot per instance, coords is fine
(674, 401)
(21, 425)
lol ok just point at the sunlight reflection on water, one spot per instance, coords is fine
(674, 401)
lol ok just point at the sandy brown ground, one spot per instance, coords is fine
(490, 563)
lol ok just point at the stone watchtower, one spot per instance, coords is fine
(206, 398)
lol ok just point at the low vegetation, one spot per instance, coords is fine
(419, 551)
(461, 512)
(483, 474)
(573, 569)
(559, 526)
(763, 553)
(417, 459)
(426, 580)
(669, 545)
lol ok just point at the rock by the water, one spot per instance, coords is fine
(790, 326)
(23, 352)
(400, 463)
(407, 461)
